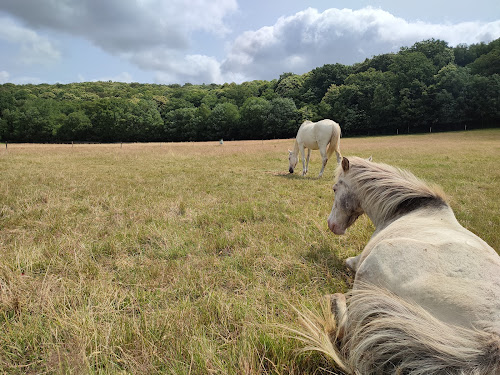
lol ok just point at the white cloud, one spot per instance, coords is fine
(4, 76)
(310, 39)
(33, 48)
(182, 69)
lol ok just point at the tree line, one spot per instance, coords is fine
(426, 85)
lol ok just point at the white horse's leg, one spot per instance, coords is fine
(304, 170)
(307, 161)
(339, 157)
(324, 157)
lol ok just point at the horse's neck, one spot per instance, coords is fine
(374, 214)
(380, 222)
(296, 147)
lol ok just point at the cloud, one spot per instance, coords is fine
(195, 69)
(122, 26)
(155, 35)
(176, 67)
(310, 39)
(159, 36)
(33, 48)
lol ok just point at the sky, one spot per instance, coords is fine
(218, 41)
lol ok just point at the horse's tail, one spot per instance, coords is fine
(334, 144)
(384, 334)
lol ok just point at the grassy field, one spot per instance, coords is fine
(186, 258)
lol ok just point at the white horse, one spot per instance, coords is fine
(426, 294)
(314, 136)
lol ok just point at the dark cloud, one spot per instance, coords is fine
(124, 26)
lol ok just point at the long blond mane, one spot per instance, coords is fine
(387, 188)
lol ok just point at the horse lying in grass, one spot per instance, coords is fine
(314, 136)
(426, 294)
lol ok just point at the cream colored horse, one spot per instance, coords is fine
(314, 136)
(426, 294)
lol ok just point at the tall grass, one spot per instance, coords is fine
(186, 258)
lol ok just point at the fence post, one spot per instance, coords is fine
(430, 129)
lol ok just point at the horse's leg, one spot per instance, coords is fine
(324, 157)
(307, 161)
(352, 263)
(339, 156)
(338, 308)
(304, 170)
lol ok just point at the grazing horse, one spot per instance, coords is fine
(314, 136)
(426, 293)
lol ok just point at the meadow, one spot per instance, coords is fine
(186, 258)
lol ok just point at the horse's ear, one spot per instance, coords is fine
(290, 152)
(370, 158)
(345, 164)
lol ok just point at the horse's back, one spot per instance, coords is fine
(314, 135)
(446, 269)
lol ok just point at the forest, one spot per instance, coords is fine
(429, 85)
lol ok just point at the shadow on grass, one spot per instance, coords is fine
(327, 260)
(292, 176)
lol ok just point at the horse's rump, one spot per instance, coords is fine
(385, 334)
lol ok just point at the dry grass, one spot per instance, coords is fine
(184, 258)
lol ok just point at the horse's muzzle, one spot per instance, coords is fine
(336, 229)
(290, 170)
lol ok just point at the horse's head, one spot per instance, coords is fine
(292, 160)
(346, 205)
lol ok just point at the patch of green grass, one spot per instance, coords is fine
(186, 258)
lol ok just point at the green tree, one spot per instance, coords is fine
(487, 64)
(76, 127)
(282, 119)
(436, 51)
(290, 86)
(380, 62)
(142, 121)
(179, 124)
(412, 66)
(484, 100)
(254, 115)
(320, 79)
(224, 121)
(451, 92)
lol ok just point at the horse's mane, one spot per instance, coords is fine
(394, 191)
